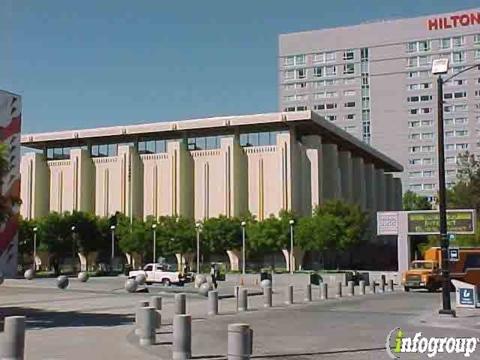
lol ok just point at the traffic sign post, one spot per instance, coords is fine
(453, 254)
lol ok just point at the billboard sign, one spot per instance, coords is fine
(10, 125)
(428, 222)
(387, 223)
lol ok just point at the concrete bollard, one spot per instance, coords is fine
(289, 295)
(242, 300)
(182, 337)
(180, 304)
(351, 288)
(308, 293)
(391, 287)
(267, 296)
(240, 342)
(148, 322)
(156, 303)
(362, 287)
(373, 287)
(12, 345)
(324, 291)
(382, 284)
(338, 294)
(213, 302)
(141, 304)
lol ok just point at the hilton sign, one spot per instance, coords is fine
(454, 21)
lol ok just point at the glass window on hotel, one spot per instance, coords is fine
(348, 54)
(476, 39)
(458, 41)
(349, 68)
(330, 56)
(458, 57)
(445, 43)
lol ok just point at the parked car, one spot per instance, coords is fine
(159, 273)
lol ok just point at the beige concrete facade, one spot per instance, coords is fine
(307, 161)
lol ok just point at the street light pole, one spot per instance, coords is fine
(73, 246)
(35, 248)
(154, 228)
(112, 228)
(243, 248)
(291, 222)
(197, 226)
(442, 203)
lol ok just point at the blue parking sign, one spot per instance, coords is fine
(467, 296)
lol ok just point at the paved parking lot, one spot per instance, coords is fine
(94, 320)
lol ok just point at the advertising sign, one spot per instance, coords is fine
(466, 294)
(428, 222)
(10, 123)
(387, 223)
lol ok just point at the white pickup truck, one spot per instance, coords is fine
(159, 273)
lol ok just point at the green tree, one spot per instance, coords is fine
(25, 238)
(133, 236)
(220, 234)
(88, 237)
(413, 201)
(465, 193)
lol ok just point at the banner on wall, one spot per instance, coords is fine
(10, 126)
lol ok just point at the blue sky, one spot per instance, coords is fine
(96, 63)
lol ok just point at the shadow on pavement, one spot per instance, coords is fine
(38, 319)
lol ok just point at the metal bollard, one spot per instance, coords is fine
(180, 304)
(351, 288)
(391, 286)
(240, 342)
(182, 337)
(267, 296)
(12, 345)
(382, 284)
(308, 293)
(373, 287)
(213, 302)
(148, 321)
(289, 295)
(242, 300)
(141, 304)
(323, 291)
(362, 287)
(338, 294)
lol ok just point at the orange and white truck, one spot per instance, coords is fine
(426, 274)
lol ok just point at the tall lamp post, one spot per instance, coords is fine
(244, 257)
(35, 229)
(291, 222)
(439, 67)
(73, 228)
(154, 229)
(112, 229)
(197, 227)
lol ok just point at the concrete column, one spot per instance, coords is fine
(213, 302)
(391, 287)
(267, 295)
(313, 146)
(346, 175)
(373, 287)
(359, 184)
(148, 324)
(362, 287)
(182, 337)
(234, 259)
(338, 293)
(239, 342)
(132, 180)
(83, 171)
(13, 342)
(389, 192)
(308, 293)
(289, 295)
(381, 190)
(403, 243)
(290, 165)
(330, 178)
(180, 304)
(351, 288)
(181, 179)
(323, 291)
(35, 186)
(138, 319)
(242, 300)
(397, 190)
(156, 303)
(371, 187)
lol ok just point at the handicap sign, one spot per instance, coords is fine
(453, 254)
(466, 295)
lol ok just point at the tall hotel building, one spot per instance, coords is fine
(374, 80)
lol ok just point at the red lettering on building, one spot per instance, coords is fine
(454, 21)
